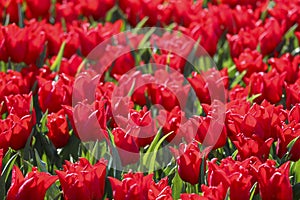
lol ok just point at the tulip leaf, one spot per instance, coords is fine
(56, 65)
(252, 191)
(227, 194)
(42, 166)
(157, 146)
(152, 146)
(43, 122)
(146, 37)
(177, 184)
(9, 165)
(238, 79)
(110, 13)
(291, 32)
(140, 25)
(253, 97)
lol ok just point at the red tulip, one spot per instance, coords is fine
(269, 85)
(206, 132)
(21, 129)
(289, 132)
(172, 60)
(58, 129)
(274, 183)
(126, 145)
(37, 8)
(137, 186)
(82, 180)
(171, 122)
(185, 196)
(294, 114)
(11, 8)
(33, 186)
(70, 66)
(232, 174)
(5, 134)
(189, 159)
(245, 39)
(251, 61)
(69, 11)
(271, 36)
(19, 105)
(52, 95)
(96, 9)
(286, 63)
(293, 94)
(24, 45)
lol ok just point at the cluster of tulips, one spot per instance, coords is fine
(69, 130)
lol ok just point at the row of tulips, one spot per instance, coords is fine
(44, 136)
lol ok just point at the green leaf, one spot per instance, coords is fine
(110, 13)
(42, 166)
(146, 37)
(152, 159)
(228, 194)
(43, 122)
(9, 165)
(253, 97)
(177, 184)
(252, 191)
(56, 65)
(291, 32)
(238, 79)
(140, 25)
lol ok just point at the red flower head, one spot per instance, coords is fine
(96, 9)
(33, 186)
(52, 95)
(58, 129)
(140, 125)
(19, 104)
(137, 186)
(245, 39)
(70, 66)
(286, 64)
(37, 8)
(24, 45)
(82, 180)
(171, 122)
(85, 121)
(126, 145)
(273, 183)
(189, 159)
(293, 94)
(269, 85)
(232, 174)
(207, 135)
(270, 36)
(251, 61)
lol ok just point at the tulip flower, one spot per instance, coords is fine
(137, 186)
(58, 129)
(81, 180)
(33, 186)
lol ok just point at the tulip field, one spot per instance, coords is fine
(141, 99)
